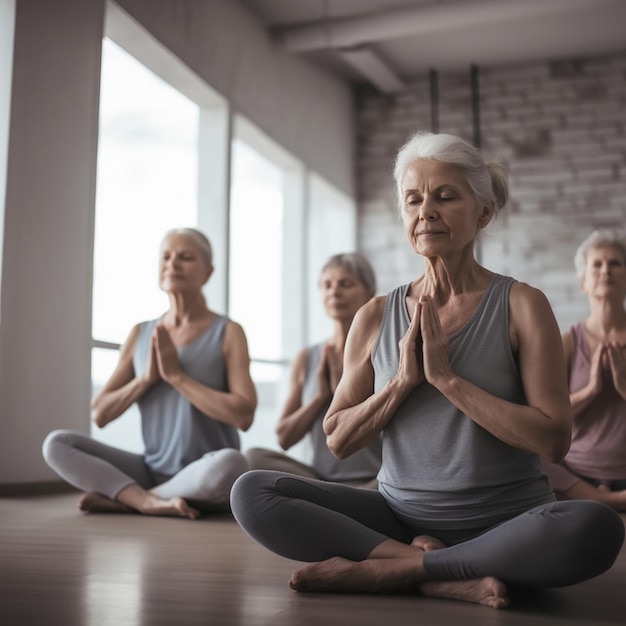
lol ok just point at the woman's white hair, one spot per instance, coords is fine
(199, 238)
(358, 265)
(599, 238)
(488, 180)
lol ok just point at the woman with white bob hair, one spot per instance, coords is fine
(462, 372)
(595, 355)
(188, 372)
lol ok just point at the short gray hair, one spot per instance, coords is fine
(199, 238)
(357, 264)
(599, 238)
(487, 179)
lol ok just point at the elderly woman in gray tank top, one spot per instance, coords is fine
(188, 371)
(347, 282)
(462, 371)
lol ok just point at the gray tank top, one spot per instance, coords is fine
(439, 465)
(175, 432)
(361, 465)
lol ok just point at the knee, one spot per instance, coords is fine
(598, 530)
(609, 525)
(233, 462)
(53, 444)
(255, 457)
(245, 491)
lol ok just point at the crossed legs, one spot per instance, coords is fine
(354, 542)
(117, 481)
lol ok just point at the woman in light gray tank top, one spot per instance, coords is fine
(347, 281)
(462, 371)
(188, 372)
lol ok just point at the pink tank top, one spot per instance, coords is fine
(598, 447)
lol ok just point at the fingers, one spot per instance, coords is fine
(414, 327)
(430, 323)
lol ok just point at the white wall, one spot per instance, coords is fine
(306, 111)
(46, 319)
(45, 327)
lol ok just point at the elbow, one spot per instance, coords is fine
(246, 422)
(559, 447)
(247, 417)
(282, 440)
(98, 418)
(337, 446)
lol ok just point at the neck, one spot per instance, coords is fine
(446, 278)
(607, 317)
(185, 308)
(340, 333)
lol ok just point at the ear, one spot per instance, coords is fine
(486, 214)
(208, 275)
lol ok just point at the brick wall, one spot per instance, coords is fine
(559, 128)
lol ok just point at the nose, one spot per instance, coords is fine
(427, 212)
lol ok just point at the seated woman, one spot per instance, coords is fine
(188, 371)
(347, 282)
(462, 371)
(595, 354)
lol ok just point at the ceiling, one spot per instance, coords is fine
(389, 43)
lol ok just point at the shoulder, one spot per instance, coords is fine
(366, 325)
(525, 299)
(298, 366)
(371, 313)
(135, 332)
(531, 316)
(234, 335)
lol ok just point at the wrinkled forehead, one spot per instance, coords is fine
(430, 174)
(338, 271)
(606, 251)
(179, 241)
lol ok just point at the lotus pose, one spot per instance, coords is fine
(462, 372)
(347, 282)
(595, 354)
(188, 371)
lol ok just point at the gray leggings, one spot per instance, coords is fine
(556, 544)
(91, 465)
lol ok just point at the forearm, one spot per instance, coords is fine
(581, 399)
(109, 405)
(583, 490)
(518, 425)
(348, 430)
(294, 426)
(224, 406)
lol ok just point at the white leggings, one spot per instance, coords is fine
(91, 465)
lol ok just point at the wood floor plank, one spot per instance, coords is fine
(59, 567)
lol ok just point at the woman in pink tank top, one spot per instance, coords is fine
(595, 352)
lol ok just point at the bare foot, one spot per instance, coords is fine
(151, 505)
(488, 591)
(93, 502)
(427, 543)
(369, 576)
(177, 507)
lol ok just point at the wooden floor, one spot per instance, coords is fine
(59, 567)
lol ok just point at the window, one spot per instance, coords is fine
(165, 142)
(277, 248)
(7, 23)
(331, 230)
(265, 268)
(147, 184)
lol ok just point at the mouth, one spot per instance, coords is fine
(430, 233)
